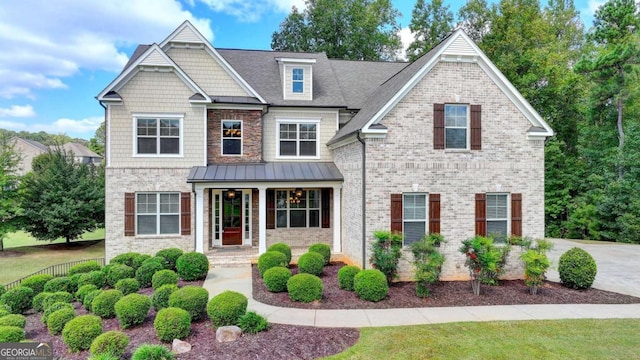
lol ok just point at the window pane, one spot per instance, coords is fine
(169, 146)
(307, 148)
(147, 127)
(415, 207)
(297, 87)
(231, 146)
(298, 218)
(288, 148)
(146, 224)
(298, 74)
(169, 127)
(413, 231)
(169, 224)
(288, 131)
(281, 218)
(146, 203)
(314, 199)
(146, 145)
(231, 129)
(307, 131)
(314, 218)
(497, 229)
(282, 199)
(456, 138)
(496, 206)
(169, 203)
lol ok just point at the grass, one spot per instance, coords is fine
(22, 238)
(544, 339)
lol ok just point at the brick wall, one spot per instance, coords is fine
(251, 135)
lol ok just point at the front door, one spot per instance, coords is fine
(232, 218)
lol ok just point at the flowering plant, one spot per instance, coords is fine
(482, 258)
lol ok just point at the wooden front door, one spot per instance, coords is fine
(232, 218)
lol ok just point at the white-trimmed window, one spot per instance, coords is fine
(158, 135)
(497, 216)
(414, 217)
(297, 80)
(157, 213)
(298, 139)
(297, 212)
(456, 126)
(231, 137)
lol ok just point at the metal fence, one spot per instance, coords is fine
(55, 270)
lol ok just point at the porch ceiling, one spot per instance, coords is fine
(266, 172)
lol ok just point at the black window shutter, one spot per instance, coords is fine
(476, 127)
(438, 126)
(326, 207)
(396, 213)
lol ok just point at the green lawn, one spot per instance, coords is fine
(549, 339)
(21, 238)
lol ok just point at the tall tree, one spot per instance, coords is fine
(343, 29)
(97, 142)
(475, 19)
(430, 23)
(9, 195)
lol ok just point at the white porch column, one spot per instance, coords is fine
(262, 219)
(337, 225)
(199, 214)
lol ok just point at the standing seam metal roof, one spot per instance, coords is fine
(266, 172)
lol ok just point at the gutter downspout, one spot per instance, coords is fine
(364, 199)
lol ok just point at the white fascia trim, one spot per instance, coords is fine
(265, 184)
(296, 61)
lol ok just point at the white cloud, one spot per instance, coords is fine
(252, 11)
(18, 111)
(83, 128)
(593, 6)
(406, 37)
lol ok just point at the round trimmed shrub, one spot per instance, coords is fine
(4, 310)
(58, 296)
(152, 352)
(95, 277)
(80, 332)
(577, 269)
(131, 259)
(128, 286)
(275, 279)
(38, 301)
(58, 319)
(304, 288)
(132, 309)
(371, 285)
(13, 320)
(103, 305)
(18, 299)
(145, 272)
(74, 279)
(53, 308)
(283, 248)
(226, 308)
(88, 299)
(113, 343)
(116, 272)
(11, 334)
(63, 283)
(83, 291)
(36, 282)
(172, 323)
(85, 267)
(271, 259)
(192, 266)
(160, 298)
(346, 275)
(191, 298)
(322, 249)
(170, 256)
(252, 323)
(164, 277)
(311, 263)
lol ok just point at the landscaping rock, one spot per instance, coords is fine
(228, 333)
(180, 347)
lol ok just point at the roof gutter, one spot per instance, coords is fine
(364, 199)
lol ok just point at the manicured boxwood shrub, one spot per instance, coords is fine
(11, 334)
(74, 279)
(58, 319)
(103, 305)
(4, 310)
(322, 249)
(113, 343)
(80, 332)
(132, 309)
(577, 269)
(191, 298)
(88, 299)
(311, 263)
(164, 277)
(304, 288)
(160, 298)
(283, 248)
(275, 279)
(83, 291)
(128, 286)
(53, 308)
(271, 259)
(36, 282)
(38, 301)
(95, 277)
(170, 256)
(63, 283)
(13, 320)
(145, 272)
(192, 266)
(131, 259)
(85, 267)
(58, 296)
(18, 299)
(152, 352)
(117, 272)
(172, 323)
(2, 290)
(252, 323)
(226, 308)
(346, 275)
(371, 285)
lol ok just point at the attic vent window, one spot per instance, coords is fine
(297, 80)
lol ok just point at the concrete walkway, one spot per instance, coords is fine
(613, 263)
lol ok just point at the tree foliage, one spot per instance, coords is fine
(9, 195)
(430, 23)
(98, 141)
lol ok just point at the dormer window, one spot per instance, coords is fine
(297, 80)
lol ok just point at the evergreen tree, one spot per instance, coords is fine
(9, 195)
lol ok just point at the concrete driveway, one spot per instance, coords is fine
(618, 264)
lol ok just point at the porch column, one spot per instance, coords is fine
(262, 219)
(337, 225)
(199, 215)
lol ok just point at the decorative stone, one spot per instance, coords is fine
(180, 347)
(228, 333)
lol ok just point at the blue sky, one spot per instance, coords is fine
(58, 55)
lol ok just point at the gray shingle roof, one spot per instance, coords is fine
(79, 150)
(267, 172)
(37, 144)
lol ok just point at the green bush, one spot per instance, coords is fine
(252, 323)
(170, 256)
(80, 332)
(192, 266)
(132, 310)
(145, 272)
(83, 291)
(172, 323)
(160, 299)
(131, 259)
(577, 269)
(58, 319)
(128, 286)
(345, 276)
(113, 343)
(2, 290)
(4, 310)
(18, 299)
(103, 357)
(38, 300)
(88, 299)
(63, 283)
(427, 263)
(311, 263)
(322, 249)
(275, 279)
(152, 352)
(11, 334)
(226, 308)
(84, 267)
(283, 248)
(53, 308)
(103, 305)
(371, 285)
(36, 282)
(73, 283)
(13, 320)
(95, 277)
(116, 272)
(58, 296)
(304, 288)
(386, 252)
(271, 259)
(191, 298)
(164, 277)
